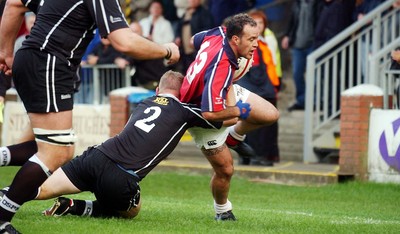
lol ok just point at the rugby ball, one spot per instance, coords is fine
(244, 67)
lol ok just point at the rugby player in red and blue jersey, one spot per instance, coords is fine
(208, 83)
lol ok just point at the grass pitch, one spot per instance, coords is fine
(182, 203)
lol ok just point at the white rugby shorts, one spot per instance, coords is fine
(214, 138)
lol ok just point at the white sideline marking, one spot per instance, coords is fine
(358, 220)
(334, 219)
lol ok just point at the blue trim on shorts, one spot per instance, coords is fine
(131, 172)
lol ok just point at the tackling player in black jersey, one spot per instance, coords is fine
(113, 169)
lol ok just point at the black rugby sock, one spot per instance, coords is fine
(20, 153)
(24, 187)
(95, 209)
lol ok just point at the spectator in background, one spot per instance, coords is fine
(196, 19)
(274, 11)
(145, 73)
(363, 7)
(335, 16)
(263, 80)
(105, 53)
(85, 83)
(181, 6)
(171, 13)
(396, 3)
(155, 27)
(300, 36)
(395, 65)
(272, 43)
(140, 9)
(223, 9)
(93, 44)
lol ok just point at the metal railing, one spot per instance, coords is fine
(390, 82)
(357, 55)
(98, 80)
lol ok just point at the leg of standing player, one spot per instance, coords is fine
(222, 162)
(36, 170)
(262, 113)
(211, 142)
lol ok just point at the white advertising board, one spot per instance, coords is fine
(384, 146)
(91, 124)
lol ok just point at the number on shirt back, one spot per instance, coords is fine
(199, 63)
(146, 123)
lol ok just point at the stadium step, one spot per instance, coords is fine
(187, 158)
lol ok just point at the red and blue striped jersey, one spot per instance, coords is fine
(209, 77)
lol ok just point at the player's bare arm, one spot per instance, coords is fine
(229, 113)
(241, 110)
(126, 41)
(14, 11)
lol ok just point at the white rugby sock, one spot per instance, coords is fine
(9, 205)
(5, 156)
(236, 135)
(88, 208)
(222, 208)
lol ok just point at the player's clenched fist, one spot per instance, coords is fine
(172, 53)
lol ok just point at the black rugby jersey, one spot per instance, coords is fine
(64, 28)
(152, 133)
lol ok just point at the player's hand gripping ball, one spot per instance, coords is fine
(244, 67)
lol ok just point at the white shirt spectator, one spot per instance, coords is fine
(181, 6)
(155, 27)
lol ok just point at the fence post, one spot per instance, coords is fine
(96, 85)
(127, 76)
(308, 153)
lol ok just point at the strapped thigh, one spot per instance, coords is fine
(240, 93)
(55, 137)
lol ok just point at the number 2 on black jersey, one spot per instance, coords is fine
(146, 123)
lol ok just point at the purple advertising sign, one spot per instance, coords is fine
(389, 146)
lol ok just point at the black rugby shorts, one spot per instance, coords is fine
(113, 187)
(44, 82)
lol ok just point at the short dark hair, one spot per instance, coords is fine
(235, 24)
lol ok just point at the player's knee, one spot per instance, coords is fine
(63, 140)
(132, 213)
(43, 192)
(274, 116)
(225, 171)
(270, 116)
